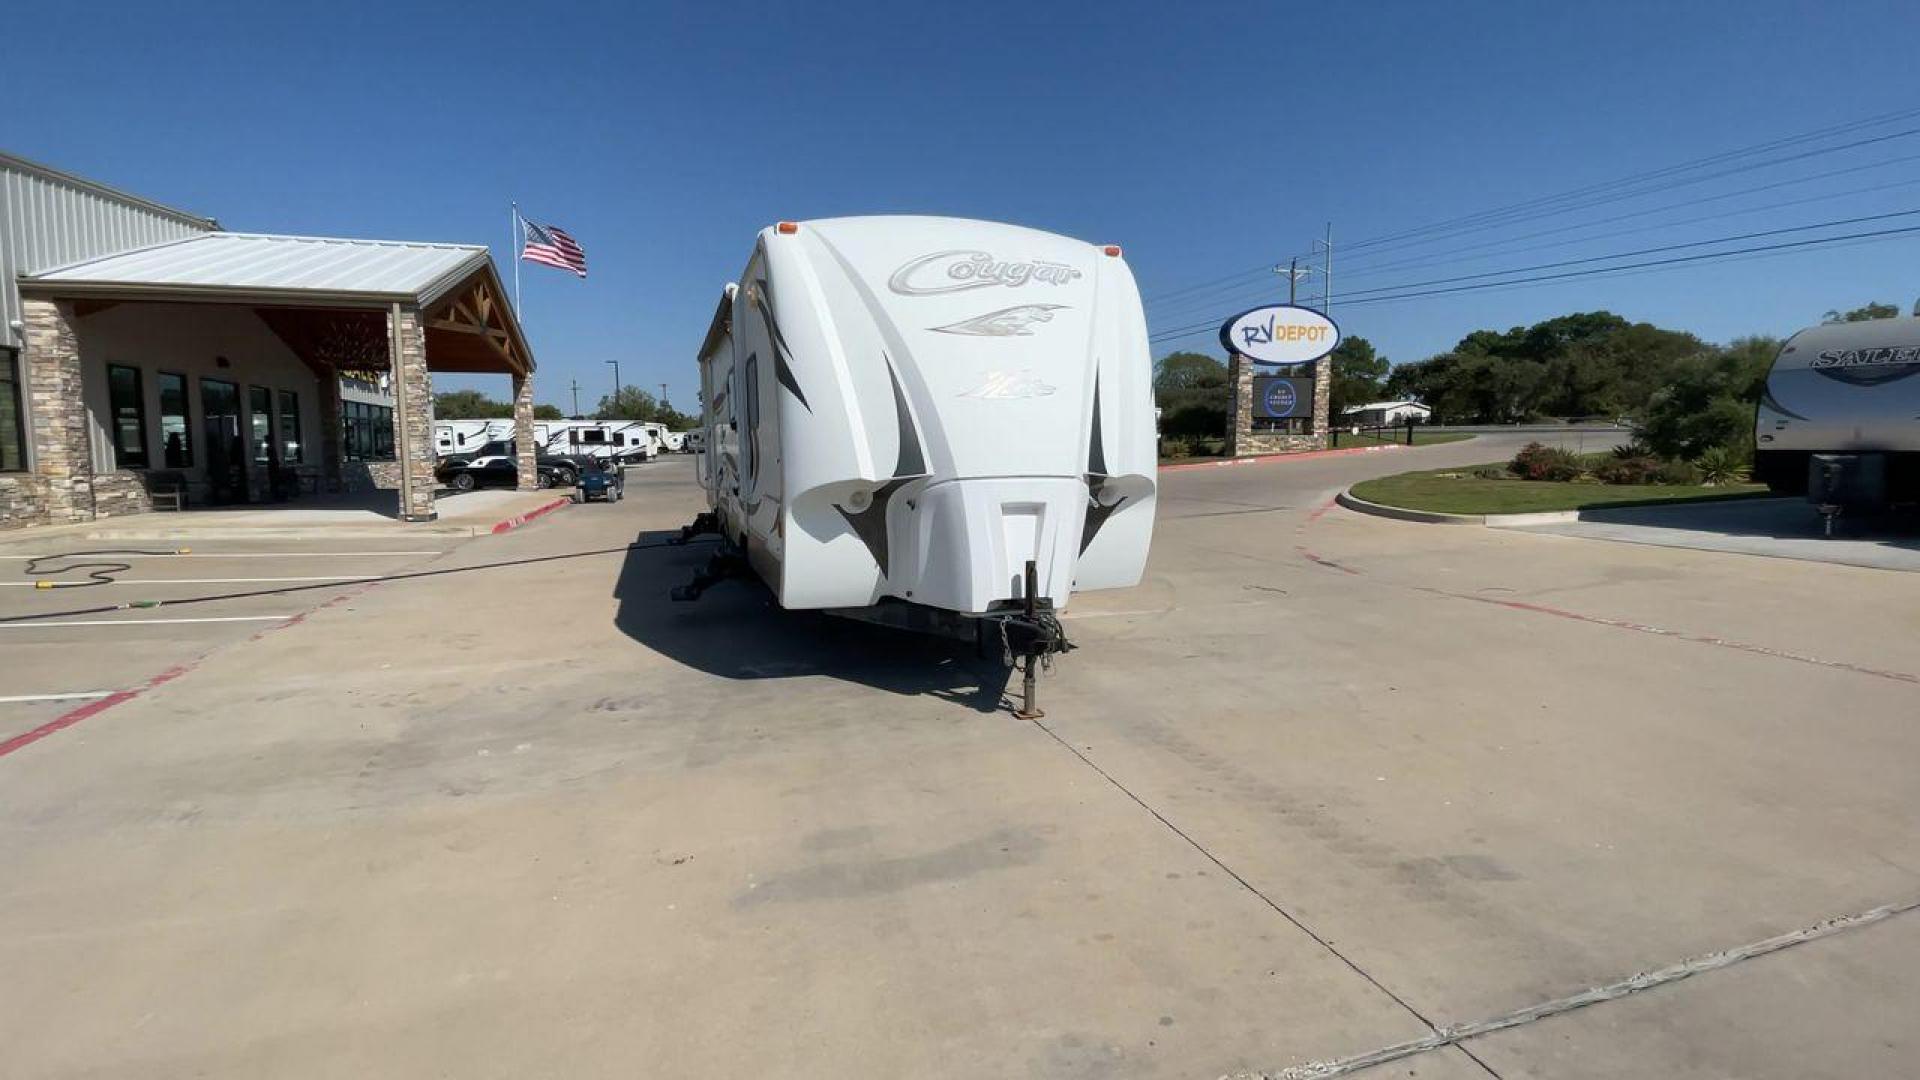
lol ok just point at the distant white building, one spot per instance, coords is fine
(1392, 413)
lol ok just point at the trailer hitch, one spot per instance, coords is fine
(1029, 638)
(726, 563)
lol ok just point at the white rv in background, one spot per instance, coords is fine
(909, 412)
(629, 442)
(1840, 417)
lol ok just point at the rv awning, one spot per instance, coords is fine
(319, 289)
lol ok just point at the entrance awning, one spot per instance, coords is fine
(326, 297)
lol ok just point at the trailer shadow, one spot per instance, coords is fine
(737, 631)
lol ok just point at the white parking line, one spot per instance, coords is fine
(83, 695)
(235, 555)
(142, 622)
(197, 581)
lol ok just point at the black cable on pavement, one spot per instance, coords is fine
(98, 573)
(371, 578)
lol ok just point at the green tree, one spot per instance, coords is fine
(469, 405)
(632, 403)
(548, 412)
(1863, 314)
(1191, 391)
(1359, 376)
(1708, 401)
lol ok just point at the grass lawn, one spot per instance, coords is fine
(1458, 491)
(1420, 438)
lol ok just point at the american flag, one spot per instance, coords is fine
(550, 246)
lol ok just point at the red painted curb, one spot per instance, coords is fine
(1300, 456)
(513, 523)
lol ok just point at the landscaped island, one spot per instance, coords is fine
(1541, 479)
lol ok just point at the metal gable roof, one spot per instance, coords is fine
(224, 263)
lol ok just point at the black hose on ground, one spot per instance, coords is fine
(39, 616)
(98, 573)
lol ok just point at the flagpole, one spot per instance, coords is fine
(514, 248)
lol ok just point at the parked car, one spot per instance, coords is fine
(566, 467)
(606, 485)
(497, 471)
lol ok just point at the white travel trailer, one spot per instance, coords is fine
(613, 440)
(1840, 417)
(452, 437)
(935, 423)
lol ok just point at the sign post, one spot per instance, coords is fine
(1282, 406)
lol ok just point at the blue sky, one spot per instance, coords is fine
(1207, 138)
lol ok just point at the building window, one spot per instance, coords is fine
(13, 430)
(290, 448)
(128, 409)
(176, 425)
(260, 423)
(366, 431)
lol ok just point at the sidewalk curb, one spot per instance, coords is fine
(1302, 455)
(518, 520)
(1430, 517)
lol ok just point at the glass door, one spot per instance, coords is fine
(226, 443)
(266, 456)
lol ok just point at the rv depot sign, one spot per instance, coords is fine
(1280, 334)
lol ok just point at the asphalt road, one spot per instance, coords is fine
(1322, 783)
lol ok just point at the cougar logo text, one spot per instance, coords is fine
(959, 271)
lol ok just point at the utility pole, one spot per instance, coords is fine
(576, 399)
(1294, 274)
(1326, 286)
(615, 400)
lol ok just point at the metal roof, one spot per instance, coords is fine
(252, 265)
(16, 163)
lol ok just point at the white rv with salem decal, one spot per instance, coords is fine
(1840, 417)
(924, 421)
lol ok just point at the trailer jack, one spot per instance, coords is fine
(1028, 639)
(725, 563)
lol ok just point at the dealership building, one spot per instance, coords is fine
(149, 358)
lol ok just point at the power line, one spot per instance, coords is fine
(1444, 258)
(1537, 208)
(1643, 251)
(1186, 331)
(1232, 297)
(1484, 219)
(1423, 259)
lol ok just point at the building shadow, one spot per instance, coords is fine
(737, 631)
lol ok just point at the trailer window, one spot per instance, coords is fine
(591, 435)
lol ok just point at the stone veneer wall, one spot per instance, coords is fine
(62, 455)
(1243, 441)
(119, 493)
(413, 415)
(23, 500)
(358, 476)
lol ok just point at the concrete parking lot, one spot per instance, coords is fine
(1321, 785)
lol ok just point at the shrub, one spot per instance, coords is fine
(1176, 446)
(1627, 470)
(1634, 449)
(1679, 473)
(1537, 462)
(1723, 465)
(1491, 473)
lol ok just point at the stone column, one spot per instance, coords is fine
(331, 452)
(412, 413)
(1322, 400)
(57, 406)
(1239, 406)
(525, 462)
